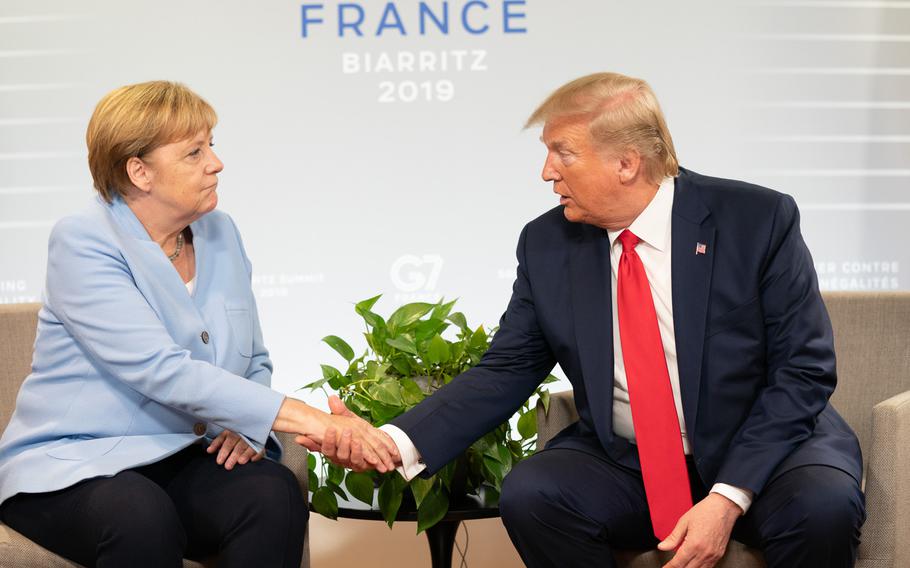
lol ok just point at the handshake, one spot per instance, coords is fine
(342, 436)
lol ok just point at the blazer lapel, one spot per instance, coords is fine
(159, 283)
(691, 279)
(203, 261)
(592, 309)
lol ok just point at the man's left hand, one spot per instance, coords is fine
(702, 534)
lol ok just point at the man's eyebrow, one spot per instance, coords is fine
(558, 144)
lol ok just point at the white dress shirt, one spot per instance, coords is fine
(652, 227)
(191, 285)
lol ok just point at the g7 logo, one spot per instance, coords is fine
(411, 273)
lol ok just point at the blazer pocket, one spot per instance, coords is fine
(238, 314)
(83, 449)
(743, 313)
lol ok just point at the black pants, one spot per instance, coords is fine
(183, 506)
(565, 507)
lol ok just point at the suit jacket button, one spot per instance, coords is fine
(199, 428)
(205, 337)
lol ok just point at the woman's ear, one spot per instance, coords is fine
(140, 174)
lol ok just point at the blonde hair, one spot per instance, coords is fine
(623, 114)
(134, 120)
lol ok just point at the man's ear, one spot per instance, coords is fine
(629, 166)
(140, 174)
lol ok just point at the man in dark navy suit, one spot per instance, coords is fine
(685, 311)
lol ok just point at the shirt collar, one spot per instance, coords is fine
(652, 225)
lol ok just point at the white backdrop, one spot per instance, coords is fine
(394, 161)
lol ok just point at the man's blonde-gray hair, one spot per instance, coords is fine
(623, 114)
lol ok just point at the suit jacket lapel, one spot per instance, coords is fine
(691, 279)
(592, 309)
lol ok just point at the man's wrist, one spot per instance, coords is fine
(742, 498)
(411, 464)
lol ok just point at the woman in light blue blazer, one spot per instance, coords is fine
(139, 436)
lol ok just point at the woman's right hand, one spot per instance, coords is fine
(299, 418)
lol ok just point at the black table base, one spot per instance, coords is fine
(441, 538)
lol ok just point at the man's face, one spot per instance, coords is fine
(583, 176)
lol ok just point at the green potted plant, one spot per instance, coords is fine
(408, 357)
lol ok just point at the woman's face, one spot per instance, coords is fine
(184, 176)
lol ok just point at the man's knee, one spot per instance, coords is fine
(832, 511)
(528, 492)
(825, 504)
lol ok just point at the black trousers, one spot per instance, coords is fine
(566, 507)
(183, 506)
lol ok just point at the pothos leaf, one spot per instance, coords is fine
(403, 343)
(420, 487)
(390, 493)
(527, 424)
(545, 400)
(438, 350)
(315, 384)
(433, 508)
(387, 391)
(366, 305)
(373, 320)
(337, 490)
(325, 503)
(340, 346)
(441, 310)
(336, 474)
(361, 486)
(410, 392)
(479, 339)
(458, 319)
(408, 314)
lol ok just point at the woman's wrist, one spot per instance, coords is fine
(294, 416)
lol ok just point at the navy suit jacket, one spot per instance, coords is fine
(754, 342)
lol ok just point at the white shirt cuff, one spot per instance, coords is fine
(742, 497)
(411, 464)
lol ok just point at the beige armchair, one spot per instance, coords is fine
(17, 337)
(872, 341)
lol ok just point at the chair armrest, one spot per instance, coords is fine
(887, 484)
(294, 457)
(562, 413)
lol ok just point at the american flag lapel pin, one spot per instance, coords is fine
(701, 248)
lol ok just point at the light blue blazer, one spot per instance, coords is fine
(128, 366)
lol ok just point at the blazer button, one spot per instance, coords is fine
(205, 337)
(199, 428)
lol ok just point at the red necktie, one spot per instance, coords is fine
(660, 449)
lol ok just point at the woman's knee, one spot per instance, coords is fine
(273, 492)
(134, 509)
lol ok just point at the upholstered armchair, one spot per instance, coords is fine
(872, 342)
(18, 324)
